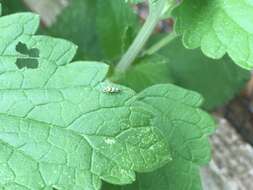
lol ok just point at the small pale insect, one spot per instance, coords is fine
(111, 90)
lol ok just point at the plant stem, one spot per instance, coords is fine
(142, 37)
(160, 44)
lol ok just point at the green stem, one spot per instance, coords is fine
(142, 37)
(160, 44)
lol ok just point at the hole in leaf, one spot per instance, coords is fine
(29, 60)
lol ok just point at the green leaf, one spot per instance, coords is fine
(178, 174)
(62, 129)
(186, 128)
(218, 27)
(59, 129)
(12, 6)
(178, 116)
(217, 80)
(77, 23)
(103, 30)
(146, 72)
(117, 25)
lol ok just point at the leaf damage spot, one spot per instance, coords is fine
(29, 59)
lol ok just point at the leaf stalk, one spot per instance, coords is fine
(156, 8)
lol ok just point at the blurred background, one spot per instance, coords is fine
(232, 165)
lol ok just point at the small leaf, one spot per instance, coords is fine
(218, 27)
